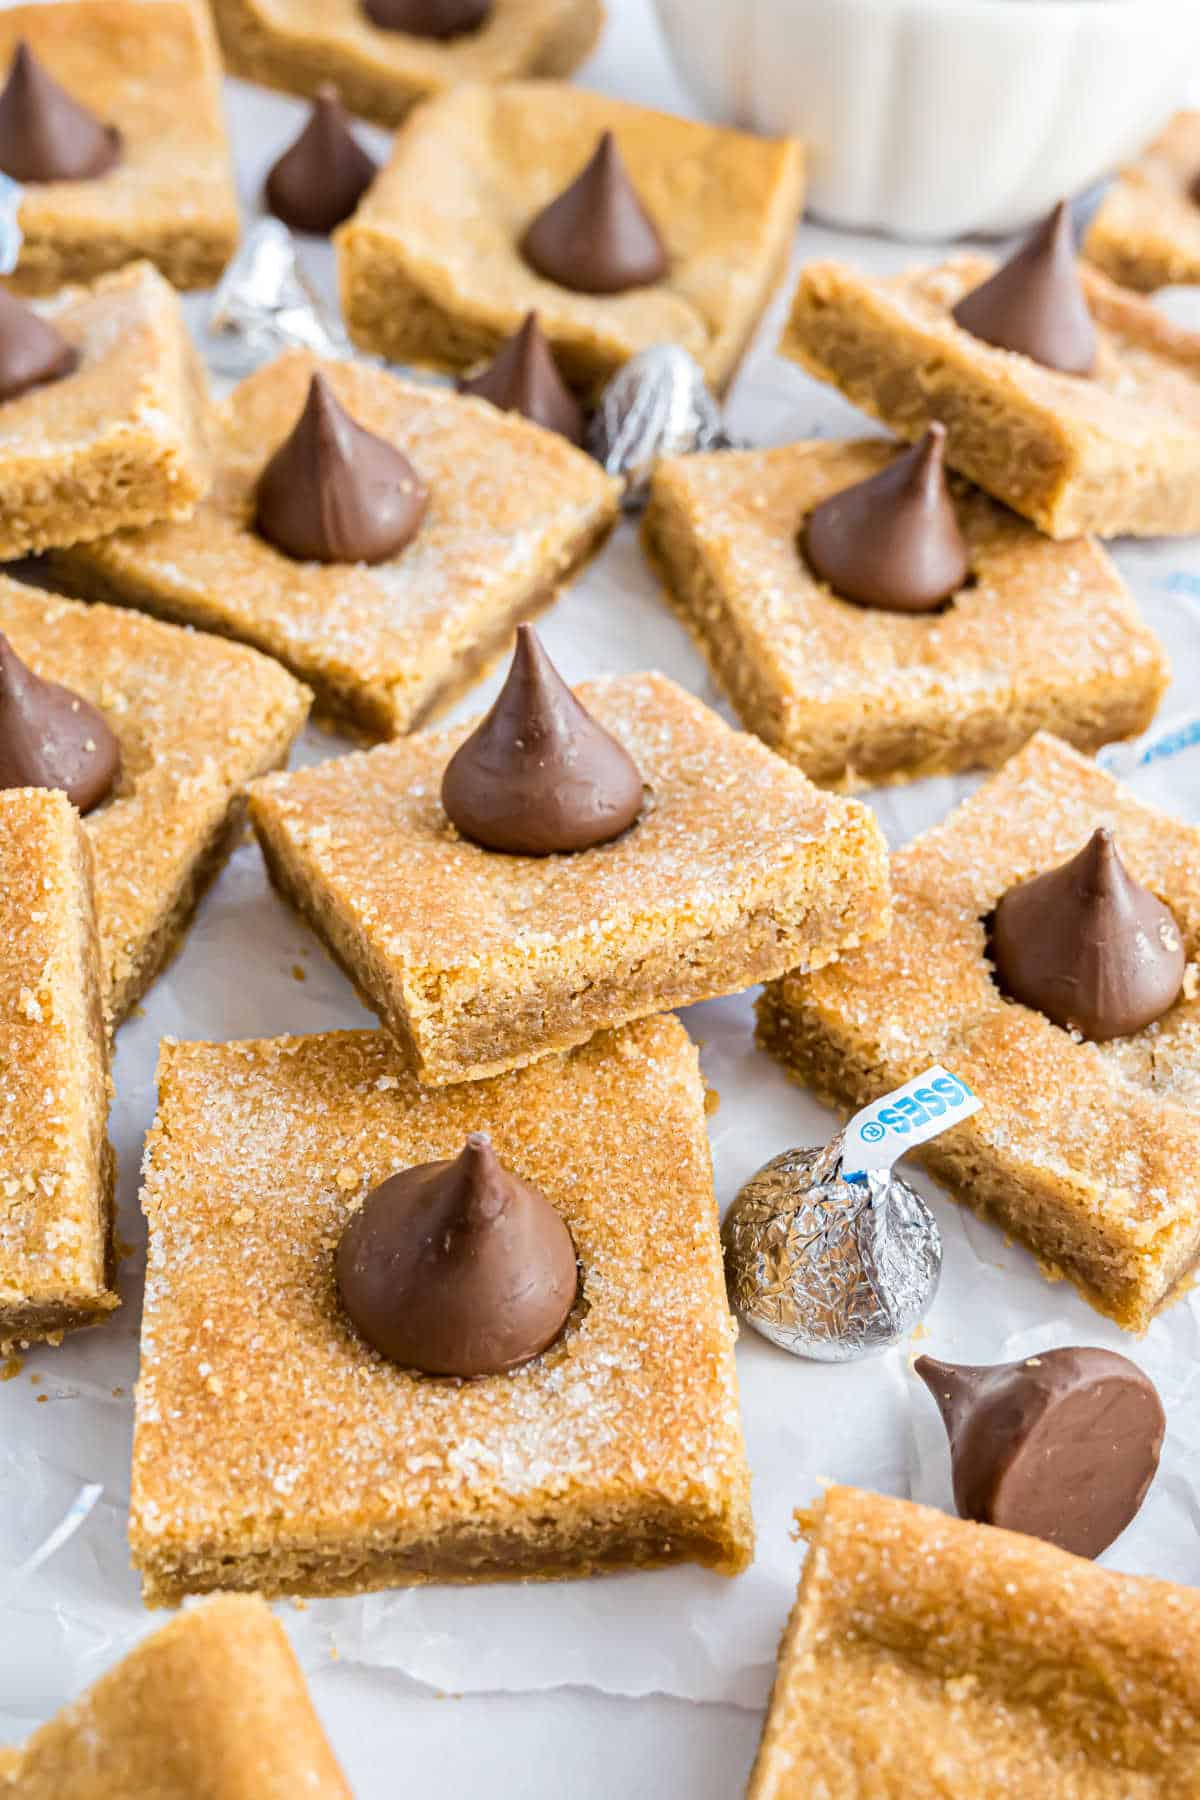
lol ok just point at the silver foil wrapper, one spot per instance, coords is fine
(10, 224)
(265, 303)
(656, 405)
(828, 1268)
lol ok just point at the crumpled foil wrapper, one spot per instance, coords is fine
(265, 303)
(656, 405)
(828, 1268)
(11, 194)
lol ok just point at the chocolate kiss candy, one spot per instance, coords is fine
(538, 774)
(335, 493)
(458, 1268)
(52, 738)
(428, 18)
(1089, 946)
(597, 237)
(1061, 1446)
(1034, 302)
(31, 351)
(892, 541)
(524, 378)
(320, 180)
(45, 135)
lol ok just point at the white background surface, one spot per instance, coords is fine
(657, 1637)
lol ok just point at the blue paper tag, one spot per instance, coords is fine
(921, 1109)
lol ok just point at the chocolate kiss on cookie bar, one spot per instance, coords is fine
(597, 237)
(51, 737)
(458, 1267)
(45, 134)
(334, 492)
(538, 775)
(893, 540)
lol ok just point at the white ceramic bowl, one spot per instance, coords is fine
(931, 118)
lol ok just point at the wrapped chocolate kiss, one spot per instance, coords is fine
(656, 405)
(830, 1254)
(10, 224)
(265, 304)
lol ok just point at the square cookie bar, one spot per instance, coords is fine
(1088, 1153)
(117, 442)
(298, 44)
(56, 1169)
(196, 718)
(513, 512)
(1146, 232)
(1043, 635)
(929, 1656)
(430, 268)
(1114, 452)
(211, 1707)
(151, 68)
(479, 961)
(311, 1465)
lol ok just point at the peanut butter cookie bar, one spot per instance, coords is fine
(431, 266)
(195, 719)
(927, 1656)
(149, 68)
(56, 1176)
(381, 73)
(512, 512)
(211, 1705)
(480, 961)
(1114, 452)
(1086, 1151)
(1146, 232)
(311, 1465)
(117, 440)
(1042, 634)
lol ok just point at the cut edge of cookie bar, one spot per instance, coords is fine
(150, 462)
(934, 736)
(916, 1634)
(387, 97)
(843, 329)
(217, 1688)
(71, 1003)
(1145, 233)
(1126, 1263)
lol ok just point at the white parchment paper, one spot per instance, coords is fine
(249, 969)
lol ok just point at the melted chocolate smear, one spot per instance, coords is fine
(1062, 1446)
(597, 237)
(893, 541)
(538, 775)
(334, 492)
(458, 1268)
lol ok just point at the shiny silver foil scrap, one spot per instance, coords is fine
(656, 405)
(265, 303)
(828, 1268)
